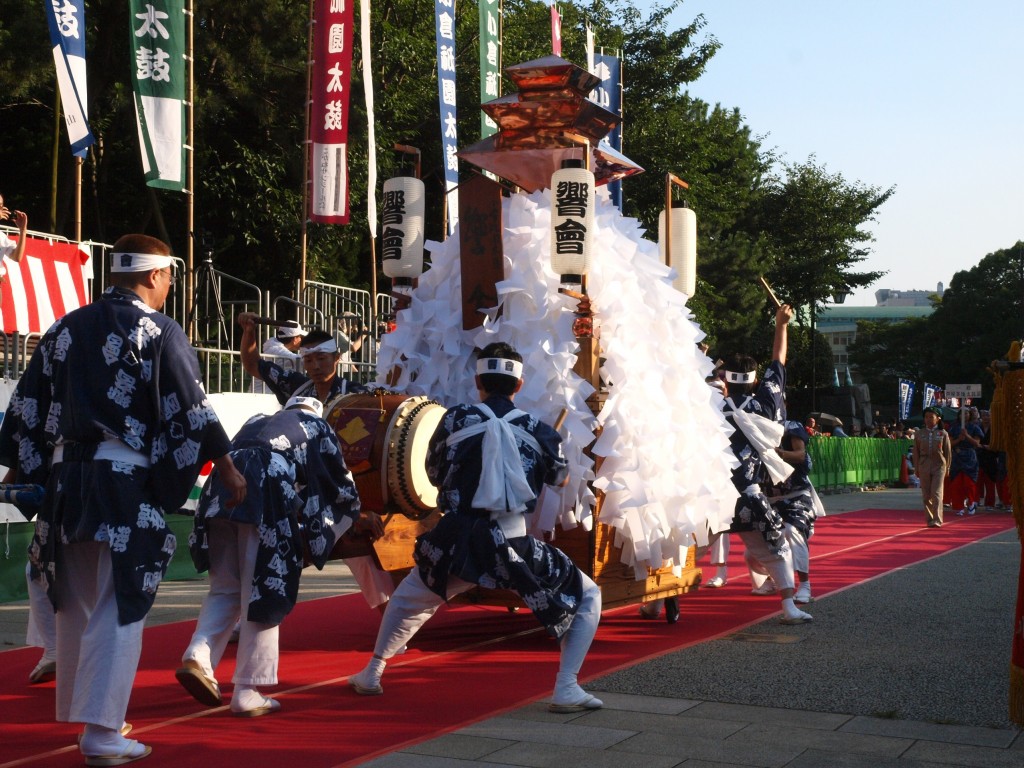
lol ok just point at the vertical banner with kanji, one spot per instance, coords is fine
(444, 34)
(490, 61)
(556, 31)
(906, 397)
(157, 33)
(930, 394)
(66, 20)
(609, 95)
(328, 111)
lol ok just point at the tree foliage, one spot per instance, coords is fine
(977, 317)
(250, 65)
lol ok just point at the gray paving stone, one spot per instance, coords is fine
(653, 704)
(731, 752)
(814, 758)
(406, 760)
(565, 734)
(694, 727)
(548, 756)
(830, 741)
(459, 746)
(911, 729)
(961, 755)
(768, 715)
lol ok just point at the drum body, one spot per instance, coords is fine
(384, 438)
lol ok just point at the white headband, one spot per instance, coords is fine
(735, 377)
(501, 366)
(305, 403)
(330, 347)
(139, 262)
(290, 331)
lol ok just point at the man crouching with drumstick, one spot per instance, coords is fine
(490, 461)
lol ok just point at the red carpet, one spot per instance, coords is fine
(466, 665)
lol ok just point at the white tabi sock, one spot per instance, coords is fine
(789, 608)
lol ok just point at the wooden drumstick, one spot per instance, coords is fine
(275, 323)
(771, 293)
(561, 419)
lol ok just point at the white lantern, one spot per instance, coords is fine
(573, 199)
(402, 227)
(683, 254)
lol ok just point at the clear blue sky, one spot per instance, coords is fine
(924, 96)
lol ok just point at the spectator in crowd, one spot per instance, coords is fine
(9, 249)
(810, 426)
(993, 485)
(965, 436)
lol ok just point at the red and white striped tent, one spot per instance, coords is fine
(52, 278)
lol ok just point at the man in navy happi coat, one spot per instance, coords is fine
(111, 418)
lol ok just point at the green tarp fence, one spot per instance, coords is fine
(857, 461)
(14, 547)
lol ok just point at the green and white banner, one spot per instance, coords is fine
(490, 60)
(157, 32)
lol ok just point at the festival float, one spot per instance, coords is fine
(543, 260)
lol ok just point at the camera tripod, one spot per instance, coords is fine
(205, 285)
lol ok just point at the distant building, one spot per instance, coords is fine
(838, 324)
(886, 297)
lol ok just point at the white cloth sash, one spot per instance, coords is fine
(502, 488)
(764, 436)
(111, 449)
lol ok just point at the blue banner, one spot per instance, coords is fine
(609, 95)
(906, 397)
(444, 34)
(66, 20)
(930, 391)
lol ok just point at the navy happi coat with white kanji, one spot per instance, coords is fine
(467, 543)
(753, 512)
(794, 497)
(285, 383)
(116, 372)
(299, 490)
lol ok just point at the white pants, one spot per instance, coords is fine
(42, 621)
(801, 554)
(413, 604)
(718, 548)
(96, 657)
(376, 585)
(233, 548)
(762, 561)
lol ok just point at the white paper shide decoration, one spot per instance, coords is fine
(666, 469)
(683, 253)
(572, 218)
(402, 227)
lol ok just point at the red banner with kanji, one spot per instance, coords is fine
(328, 115)
(51, 279)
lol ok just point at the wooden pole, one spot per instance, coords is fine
(190, 166)
(78, 199)
(305, 155)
